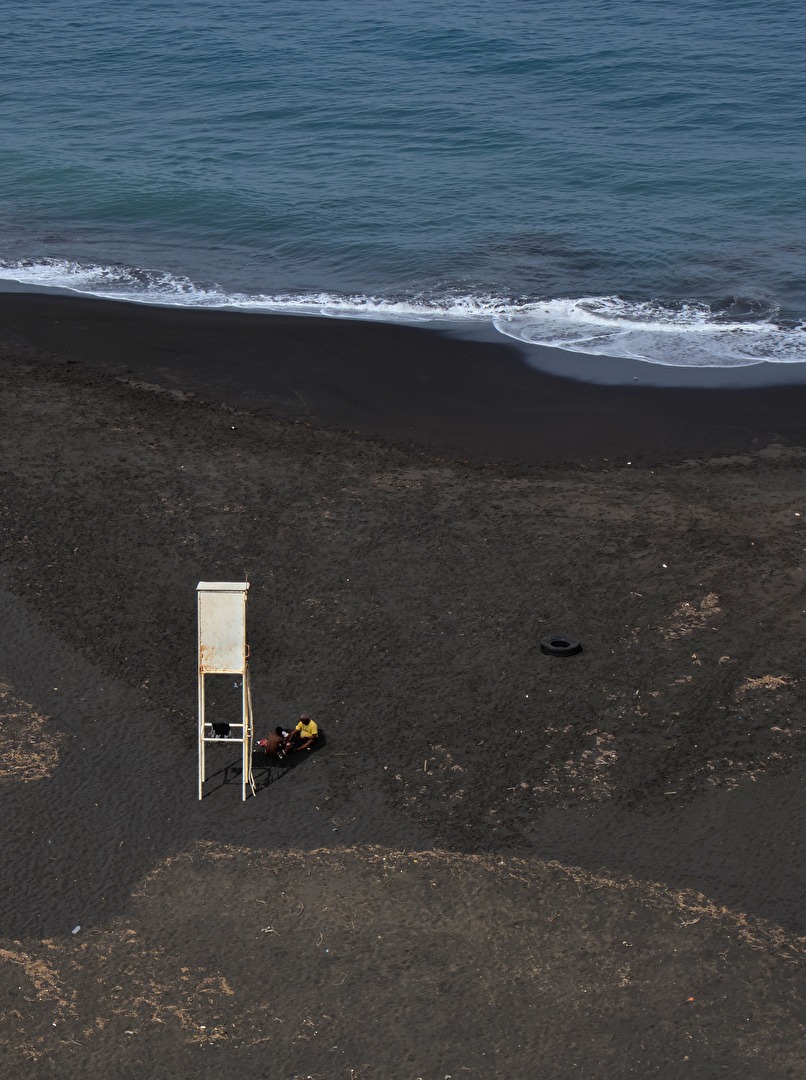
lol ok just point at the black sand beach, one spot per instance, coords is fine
(500, 863)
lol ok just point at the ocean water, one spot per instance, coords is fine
(617, 177)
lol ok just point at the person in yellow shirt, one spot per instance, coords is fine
(304, 734)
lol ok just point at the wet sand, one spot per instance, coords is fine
(500, 863)
(483, 400)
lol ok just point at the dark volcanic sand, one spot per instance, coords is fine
(500, 864)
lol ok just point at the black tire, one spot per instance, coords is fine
(560, 645)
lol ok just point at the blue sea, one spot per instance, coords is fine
(615, 177)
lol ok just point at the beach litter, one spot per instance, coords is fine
(560, 645)
(75, 930)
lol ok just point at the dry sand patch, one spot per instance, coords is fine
(29, 746)
(688, 617)
(303, 958)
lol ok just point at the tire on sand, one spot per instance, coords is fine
(560, 645)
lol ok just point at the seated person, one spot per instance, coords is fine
(304, 734)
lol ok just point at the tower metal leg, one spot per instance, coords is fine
(201, 735)
(249, 729)
(246, 759)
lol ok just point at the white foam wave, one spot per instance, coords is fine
(161, 287)
(689, 335)
(685, 335)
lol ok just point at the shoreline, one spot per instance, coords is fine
(626, 371)
(440, 391)
(567, 363)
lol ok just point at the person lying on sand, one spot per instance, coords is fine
(274, 745)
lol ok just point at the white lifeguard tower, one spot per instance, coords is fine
(223, 650)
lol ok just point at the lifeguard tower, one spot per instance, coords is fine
(223, 650)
